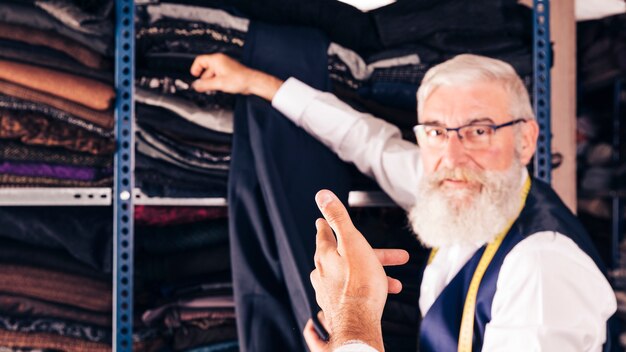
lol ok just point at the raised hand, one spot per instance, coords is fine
(350, 283)
(219, 72)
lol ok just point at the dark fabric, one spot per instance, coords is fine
(179, 238)
(191, 263)
(543, 211)
(86, 235)
(226, 346)
(27, 14)
(179, 215)
(17, 252)
(92, 18)
(271, 192)
(15, 151)
(165, 120)
(179, 36)
(193, 336)
(601, 51)
(24, 106)
(20, 306)
(158, 178)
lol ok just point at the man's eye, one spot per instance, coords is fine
(478, 131)
(435, 132)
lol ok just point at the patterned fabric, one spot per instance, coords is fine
(13, 181)
(55, 326)
(35, 129)
(66, 172)
(50, 341)
(15, 151)
(12, 103)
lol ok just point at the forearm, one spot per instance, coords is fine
(354, 328)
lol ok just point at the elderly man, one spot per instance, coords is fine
(511, 268)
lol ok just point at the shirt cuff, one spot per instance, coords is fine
(355, 346)
(292, 98)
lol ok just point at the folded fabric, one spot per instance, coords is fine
(15, 151)
(153, 316)
(180, 85)
(57, 287)
(94, 20)
(14, 181)
(59, 327)
(20, 306)
(167, 121)
(188, 264)
(179, 238)
(67, 172)
(36, 129)
(101, 118)
(88, 92)
(154, 184)
(169, 216)
(50, 341)
(156, 12)
(226, 346)
(42, 56)
(219, 120)
(52, 40)
(190, 336)
(29, 15)
(86, 235)
(21, 253)
(16, 104)
(150, 146)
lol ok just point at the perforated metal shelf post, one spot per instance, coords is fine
(542, 58)
(124, 179)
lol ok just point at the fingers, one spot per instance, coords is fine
(325, 242)
(389, 257)
(393, 285)
(336, 215)
(204, 85)
(200, 64)
(312, 339)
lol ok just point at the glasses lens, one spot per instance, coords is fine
(433, 136)
(476, 136)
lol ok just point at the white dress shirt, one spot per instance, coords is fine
(550, 294)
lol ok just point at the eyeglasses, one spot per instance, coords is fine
(474, 136)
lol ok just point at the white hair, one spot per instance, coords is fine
(467, 69)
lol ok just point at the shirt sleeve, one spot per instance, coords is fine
(550, 297)
(375, 146)
(355, 347)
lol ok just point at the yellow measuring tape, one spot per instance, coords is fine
(466, 333)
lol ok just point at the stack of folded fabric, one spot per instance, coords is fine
(56, 94)
(183, 286)
(376, 62)
(55, 280)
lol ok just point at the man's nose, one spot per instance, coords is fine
(454, 153)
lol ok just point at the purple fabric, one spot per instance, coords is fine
(68, 172)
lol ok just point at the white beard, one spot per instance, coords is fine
(443, 217)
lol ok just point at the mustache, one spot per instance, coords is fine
(458, 174)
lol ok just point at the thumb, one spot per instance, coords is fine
(337, 217)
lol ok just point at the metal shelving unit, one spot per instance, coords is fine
(124, 195)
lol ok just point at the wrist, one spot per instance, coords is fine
(263, 85)
(354, 326)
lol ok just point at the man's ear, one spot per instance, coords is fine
(530, 133)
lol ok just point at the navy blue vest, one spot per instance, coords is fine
(543, 211)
